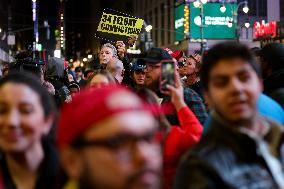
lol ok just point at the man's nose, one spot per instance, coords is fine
(145, 152)
(236, 85)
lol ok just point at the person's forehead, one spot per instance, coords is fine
(135, 123)
(138, 71)
(227, 67)
(99, 77)
(108, 49)
(19, 91)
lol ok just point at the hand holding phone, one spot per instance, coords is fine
(175, 91)
(167, 75)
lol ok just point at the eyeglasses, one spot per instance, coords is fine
(150, 67)
(181, 63)
(118, 142)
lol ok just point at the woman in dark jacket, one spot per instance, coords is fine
(28, 160)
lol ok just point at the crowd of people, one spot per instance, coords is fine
(114, 127)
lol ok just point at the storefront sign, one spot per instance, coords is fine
(262, 29)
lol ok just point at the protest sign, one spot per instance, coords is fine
(117, 26)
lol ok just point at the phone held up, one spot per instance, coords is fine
(167, 75)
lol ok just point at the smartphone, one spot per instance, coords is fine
(167, 75)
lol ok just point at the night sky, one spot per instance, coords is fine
(81, 19)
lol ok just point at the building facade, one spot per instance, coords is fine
(161, 14)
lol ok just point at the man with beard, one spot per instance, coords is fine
(153, 60)
(241, 149)
(109, 141)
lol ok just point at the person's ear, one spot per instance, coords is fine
(71, 162)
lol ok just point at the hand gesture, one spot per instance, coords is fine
(176, 93)
(121, 49)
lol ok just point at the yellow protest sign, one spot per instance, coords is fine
(120, 25)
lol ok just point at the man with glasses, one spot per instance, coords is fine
(109, 141)
(153, 60)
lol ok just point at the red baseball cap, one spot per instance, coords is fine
(92, 106)
(177, 54)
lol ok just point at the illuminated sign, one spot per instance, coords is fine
(265, 29)
(214, 24)
(186, 19)
(181, 22)
(218, 21)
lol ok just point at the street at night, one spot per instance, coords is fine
(141, 94)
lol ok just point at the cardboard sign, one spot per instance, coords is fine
(116, 26)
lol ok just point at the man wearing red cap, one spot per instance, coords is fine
(109, 141)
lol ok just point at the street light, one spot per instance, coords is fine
(148, 28)
(199, 20)
(203, 1)
(247, 24)
(235, 16)
(245, 9)
(196, 4)
(223, 8)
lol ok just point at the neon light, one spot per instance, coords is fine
(265, 29)
(186, 18)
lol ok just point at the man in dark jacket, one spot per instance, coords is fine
(241, 148)
(152, 81)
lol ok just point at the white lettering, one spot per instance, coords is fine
(179, 23)
(220, 21)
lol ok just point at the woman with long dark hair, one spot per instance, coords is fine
(28, 159)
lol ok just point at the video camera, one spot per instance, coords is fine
(31, 58)
(29, 61)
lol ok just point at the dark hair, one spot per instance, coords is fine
(31, 81)
(151, 98)
(79, 69)
(226, 50)
(105, 73)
